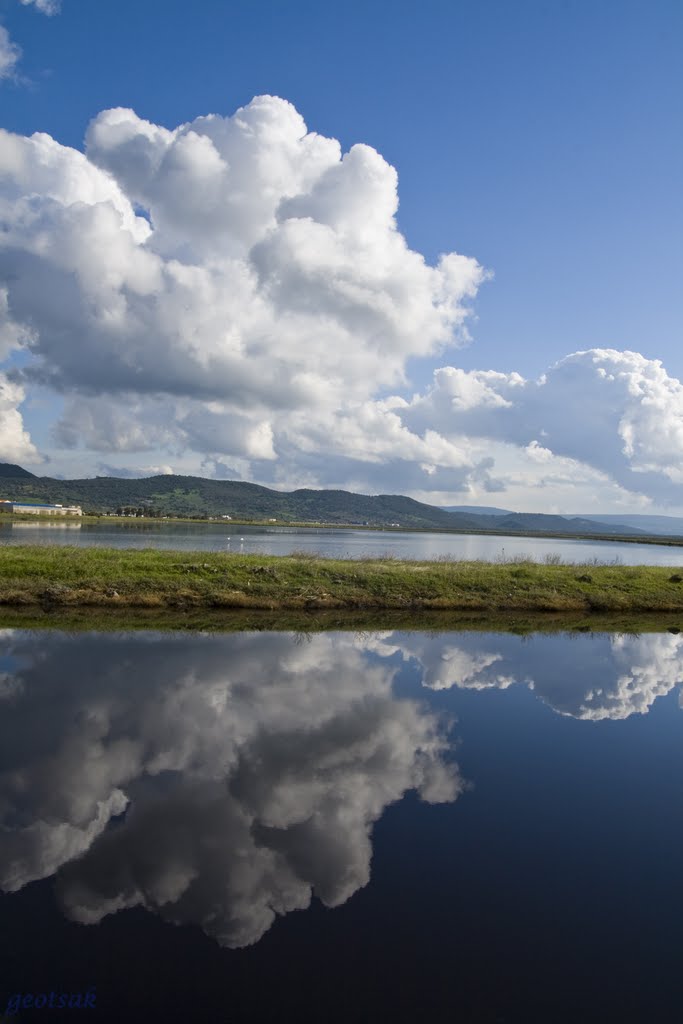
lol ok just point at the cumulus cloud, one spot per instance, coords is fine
(251, 769)
(630, 425)
(15, 443)
(237, 287)
(253, 278)
(239, 271)
(10, 54)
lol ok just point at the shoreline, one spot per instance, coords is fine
(142, 523)
(63, 577)
(108, 619)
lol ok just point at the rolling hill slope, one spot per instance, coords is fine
(197, 496)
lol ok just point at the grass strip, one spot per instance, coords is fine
(221, 620)
(75, 577)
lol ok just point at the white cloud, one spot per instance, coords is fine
(46, 6)
(267, 276)
(537, 452)
(237, 287)
(15, 443)
(616, 412)
(10, 54)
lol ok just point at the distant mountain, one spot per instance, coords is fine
(668, 526)
(197, 496)
(15, 472)
(478, 510)
(538, 522)
(499, 519)
(555, 524)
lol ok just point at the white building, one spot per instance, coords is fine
(41, 510)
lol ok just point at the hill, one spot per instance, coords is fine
(668, 526)
(15, 472)
(499, 519)
(478, 510)
(196, 497)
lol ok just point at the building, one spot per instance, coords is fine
(40, 510)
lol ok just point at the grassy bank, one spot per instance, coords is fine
(108, 619)
(71, 577)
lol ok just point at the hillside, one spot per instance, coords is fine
(497, 518)
(197, 496)
(15, 472)
(478, 510)
(538, 522)
(668, 526)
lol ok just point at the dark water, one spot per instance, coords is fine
(332, 543)
(334, 827)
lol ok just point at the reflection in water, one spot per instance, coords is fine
(337, 543)
(589, 677)
(225, 779)
(251, 769)
(42, 525)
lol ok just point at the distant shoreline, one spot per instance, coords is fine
(149, 523)
(62, 577)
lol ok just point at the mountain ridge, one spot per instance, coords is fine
(666, 526)
(192, 496)
(669, 526)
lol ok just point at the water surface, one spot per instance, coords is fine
(386, 826)
(333, 543)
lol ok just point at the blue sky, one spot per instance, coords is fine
(542, 139)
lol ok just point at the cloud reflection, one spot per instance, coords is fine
(222, 780)
(594, 677)
(251, 769)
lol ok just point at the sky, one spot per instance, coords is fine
(433, 250)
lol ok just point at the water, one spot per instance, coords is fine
(333, 543)
(378, 827)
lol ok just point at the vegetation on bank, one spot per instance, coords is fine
(109, 618)
(72, 577)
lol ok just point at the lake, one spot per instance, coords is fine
(387, 826)
(332, 543)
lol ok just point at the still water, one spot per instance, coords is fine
(332, 543)
(262, 827)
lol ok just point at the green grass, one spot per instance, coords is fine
(73, 577)
(109, 618)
